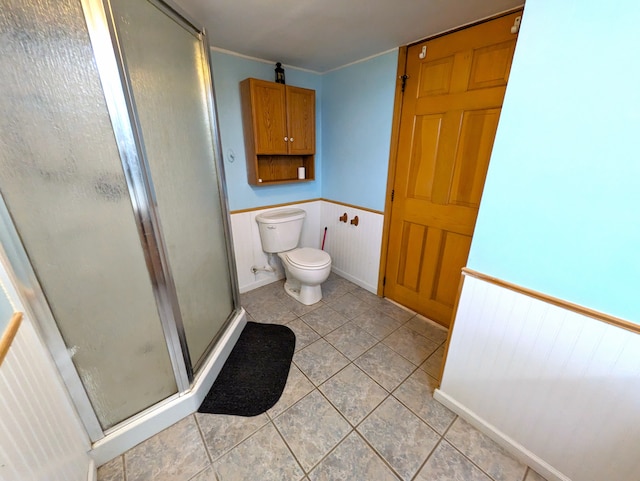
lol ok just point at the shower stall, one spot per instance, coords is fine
(113, 216)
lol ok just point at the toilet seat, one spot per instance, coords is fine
(308, 258)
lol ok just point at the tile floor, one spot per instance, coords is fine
(357, 406)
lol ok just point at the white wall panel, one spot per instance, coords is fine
(248, 249)
(355, 251)
(560, 389)
(41, 438)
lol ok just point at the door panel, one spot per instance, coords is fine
(414, 238)
(472, 158)
(270, 120)
(301, 107)
(490, 65)
(453, 257)
(435, 77)
(449, 118)
(423, 156)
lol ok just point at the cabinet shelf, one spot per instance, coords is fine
(279, 132)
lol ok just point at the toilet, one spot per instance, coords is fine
(305, 267)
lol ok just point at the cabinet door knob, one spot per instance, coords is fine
(286, 139)
(291, 139)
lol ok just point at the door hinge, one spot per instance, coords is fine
(384, 281)
(404, 81)
(393, 194)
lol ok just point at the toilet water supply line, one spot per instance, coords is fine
(271, 260)
(271, 267)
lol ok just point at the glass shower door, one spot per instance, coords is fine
(168, 75)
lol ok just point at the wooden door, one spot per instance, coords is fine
(269, 117)
(450, 112)
(301, 119)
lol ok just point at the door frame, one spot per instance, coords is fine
(391, 175)
(395, 138)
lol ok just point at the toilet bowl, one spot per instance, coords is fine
(305, 268)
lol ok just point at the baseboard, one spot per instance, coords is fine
(513, 447)
(355, 280)
(92, 474)
(174, 409)
(260, 283)
(341, 273)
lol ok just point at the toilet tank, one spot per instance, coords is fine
(280, 229)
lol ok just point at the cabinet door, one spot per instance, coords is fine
(301, 119)
(269, 118)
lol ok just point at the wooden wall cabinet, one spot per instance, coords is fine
(279, 131)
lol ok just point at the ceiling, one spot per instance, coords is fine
(321, 35)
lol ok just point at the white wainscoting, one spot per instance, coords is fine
(248, 249)
(355, 251)
(41, 437)
(558, 389)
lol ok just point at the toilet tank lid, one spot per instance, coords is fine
(280, 215)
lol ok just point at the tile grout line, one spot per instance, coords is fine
(418, 415)
(378, 341)
(377, 454)
(433, 450)
(284, 440)
(317, 388)
(442, 438)
(204, 441)
(451, 443)
(374, 380)
(227, 450)
(388, 393)
(353, 428)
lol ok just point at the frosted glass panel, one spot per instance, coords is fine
(165, 64)
(63, 183)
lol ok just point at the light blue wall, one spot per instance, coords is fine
(561, 207)
(354, 110)
(228, 72)
(357, 112)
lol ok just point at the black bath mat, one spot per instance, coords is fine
(253, 378)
